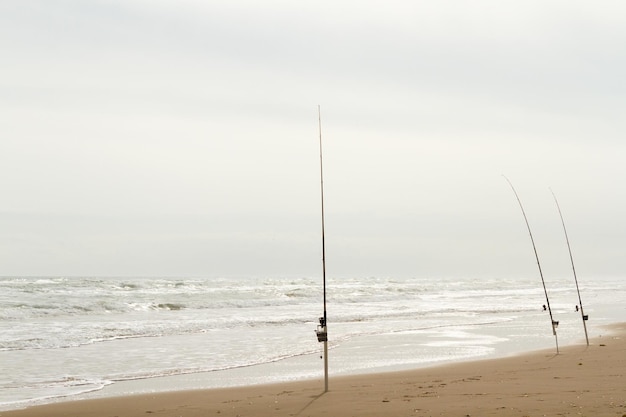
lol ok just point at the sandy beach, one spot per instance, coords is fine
(580, 381)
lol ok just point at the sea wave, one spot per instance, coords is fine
(61, 335)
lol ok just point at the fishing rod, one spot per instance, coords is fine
(554, 322)
(322, 329)
(569, 248)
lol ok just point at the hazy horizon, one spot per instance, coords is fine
(156, 138)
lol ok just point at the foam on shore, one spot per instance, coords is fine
(580, 380)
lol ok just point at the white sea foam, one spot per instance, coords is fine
(62, 336)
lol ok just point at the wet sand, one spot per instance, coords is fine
(580, 381)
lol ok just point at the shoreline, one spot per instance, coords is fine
(351, 358)
(581, 379)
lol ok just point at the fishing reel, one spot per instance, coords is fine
(322, 334)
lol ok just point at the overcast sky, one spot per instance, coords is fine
(144, 137)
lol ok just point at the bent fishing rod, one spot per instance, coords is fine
(554, 323)
(571, 258)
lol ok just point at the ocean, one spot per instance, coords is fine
(71, 337)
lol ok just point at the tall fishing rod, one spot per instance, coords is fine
(571, 258)
(322, 329)
(554, 323)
